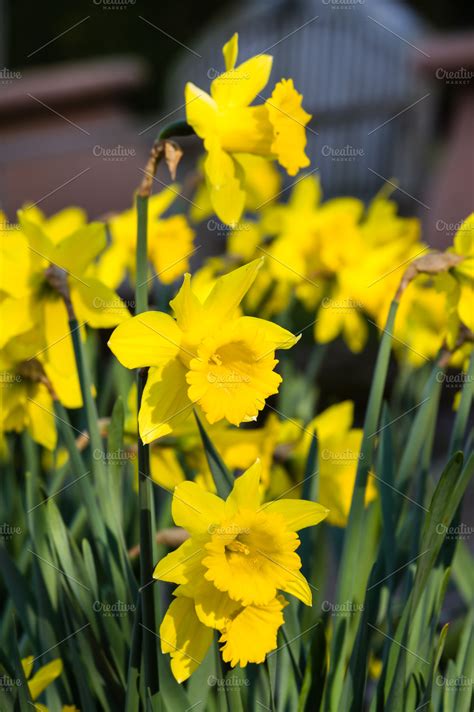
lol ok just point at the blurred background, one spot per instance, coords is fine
(86, 86)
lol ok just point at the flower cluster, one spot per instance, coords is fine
(45, 281)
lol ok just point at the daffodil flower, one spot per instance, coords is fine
(27, 403)
(240, 555)
(46, 256)
(207, 355)
(170, 242)
(338, 455)
(230, 126)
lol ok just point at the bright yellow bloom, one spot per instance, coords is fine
(41, 679)
(170, 242)
(208, 355)
(338, 457)
(230, 572)
(39, 258)
(26, 402)
(229, 126)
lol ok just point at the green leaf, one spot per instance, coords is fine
(221, 475)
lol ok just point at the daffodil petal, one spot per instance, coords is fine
(227, 196)
(184, 636)
(297, 513)
(96, 304)
(252, 634)
(239, 86)
(298, 586)
(195, 509)
(16, 317)
(165, 403)
(80, 249)
(230, 289)
(230, 51)
(38, 242)
(44, 677)
(177, 567)
(201, 110)
(276, 336)
(246, 490)
(41, 416)
(149, 339)
(289, 120)
(186, 306)
(214, 608)
(335, 419)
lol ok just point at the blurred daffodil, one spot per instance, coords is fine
(50, 259)
(170, 242)
(207, 355)
(230, 126)
(230, 572)
(26, 401)
(338, 456)
(458, 283)
(41, 679)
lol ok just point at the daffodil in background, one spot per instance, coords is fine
(207, 355)
(41, 679)
(240, 555)
(26, 402)
(230, 126)
(170, 242)
(338, 457)
(51, 259)
(458, 283)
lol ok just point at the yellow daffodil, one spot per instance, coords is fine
(240, 555)
(41, 679)
(367, 260)
(207, 355)
(230, 126)
(170, 242)
(49, 257)
(458, 283)
(26, 402)
(338, 456)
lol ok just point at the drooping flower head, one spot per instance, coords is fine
(240, 555)
(230, 126)
(207, 355)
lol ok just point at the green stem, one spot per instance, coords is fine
(462, 415)
(145, 493)
(87, 399)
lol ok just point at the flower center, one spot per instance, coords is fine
(237, 547)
